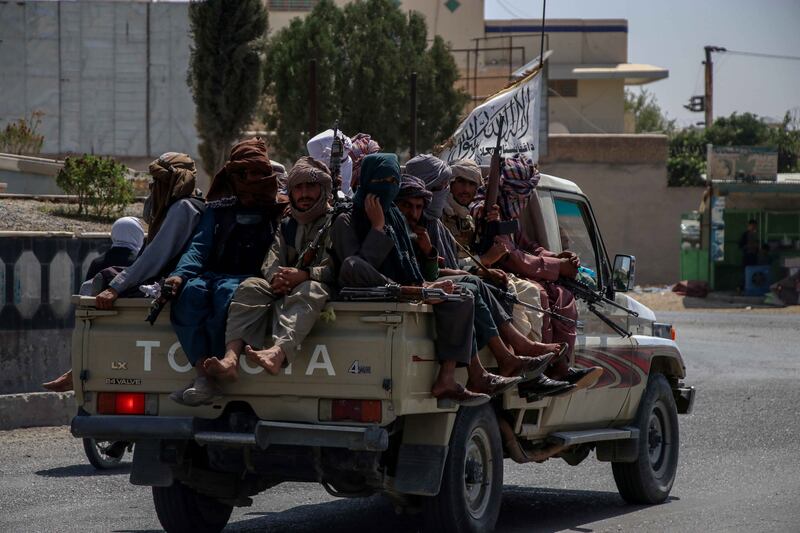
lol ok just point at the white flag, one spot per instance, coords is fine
(476, 137)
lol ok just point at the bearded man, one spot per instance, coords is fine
(295, 282)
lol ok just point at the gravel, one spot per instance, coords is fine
(35, 215)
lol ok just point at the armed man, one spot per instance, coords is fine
(295, 284)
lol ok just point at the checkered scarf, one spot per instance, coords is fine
(518, 178)
(361, 146)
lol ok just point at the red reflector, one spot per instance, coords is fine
(357, 410)
(120, 403)
(673, 333)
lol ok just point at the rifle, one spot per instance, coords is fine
(394, 291)
(166, 294)
(337, 152)
(512, 298)
(583, 292)
(489, 230)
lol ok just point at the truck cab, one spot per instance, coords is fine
(353, 410)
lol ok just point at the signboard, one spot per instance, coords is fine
(746, 163)
(476, 137)
(717, 229)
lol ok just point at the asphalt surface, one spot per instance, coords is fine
(739, 462)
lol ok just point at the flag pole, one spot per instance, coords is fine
(541, 45)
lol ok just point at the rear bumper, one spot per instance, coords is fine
(134, 428)
(684, 399)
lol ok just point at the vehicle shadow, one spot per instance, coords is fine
(544, 509)
(84, 471)
(524, 509)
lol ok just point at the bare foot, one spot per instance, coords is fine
(222, 369)
(62, 383)
(270, 359)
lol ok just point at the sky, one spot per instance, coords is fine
(672, 33)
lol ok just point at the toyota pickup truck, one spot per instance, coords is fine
(353, 411)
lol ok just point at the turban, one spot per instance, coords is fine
(436, 175)
(128, 233)
(320, 147)
(361, 146)
(309, 170)
(468, 170)
(518, 179)
(413, 187)
(174, 177)
(232, 181)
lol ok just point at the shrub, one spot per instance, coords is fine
(98, 182)
(20, 137)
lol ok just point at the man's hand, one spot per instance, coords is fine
(176, 282)
(287, 279)
(423, 240)
(494, 274)
(105, 299)
(567, 268)
(494, 254)
(374, 210)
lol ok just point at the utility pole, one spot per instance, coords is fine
(709, 98)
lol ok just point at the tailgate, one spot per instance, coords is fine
(348, 355)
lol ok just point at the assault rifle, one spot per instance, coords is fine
(487, 231)
(397, 292)
(512, 298)
(341, 203)
(166, 294)
(592, 297)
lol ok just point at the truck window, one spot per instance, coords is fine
(575, 230)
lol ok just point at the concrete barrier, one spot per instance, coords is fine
(36, 409)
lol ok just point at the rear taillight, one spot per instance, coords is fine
(122, 403)
(354, 410)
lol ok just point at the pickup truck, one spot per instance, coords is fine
(353, 411)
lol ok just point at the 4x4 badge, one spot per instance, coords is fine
(358, 368)
(119, 365)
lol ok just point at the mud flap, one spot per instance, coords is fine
(147, 469)
(618, 451)
(420, 468)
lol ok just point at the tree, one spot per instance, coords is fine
(225, 72)
(647, 113)
(687, 159)
(365, 53)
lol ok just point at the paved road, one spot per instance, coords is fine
(739, 462)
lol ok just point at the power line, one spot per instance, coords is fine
(758, 54)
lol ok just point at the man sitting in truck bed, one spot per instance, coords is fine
(493, 327)
(229, 246)
(374, 248)
(294, 287)
(528, 260)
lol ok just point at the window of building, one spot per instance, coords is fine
(292, 5)
(565, 88)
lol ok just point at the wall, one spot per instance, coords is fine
(599, 107)
(625, 178)
(39, 272)
(110, 77)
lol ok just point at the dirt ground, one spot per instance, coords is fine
(35, 215)
(663, 299)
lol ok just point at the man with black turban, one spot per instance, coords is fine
(294, 288)
(229, 246)
(374, 249)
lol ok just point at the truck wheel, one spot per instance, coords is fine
(97, 453)
(649, 479)
(472, 482)
(181, 509)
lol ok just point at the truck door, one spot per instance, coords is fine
(597, 344)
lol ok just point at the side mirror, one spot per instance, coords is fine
(624, 271)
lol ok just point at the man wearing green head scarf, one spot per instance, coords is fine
(374, 249)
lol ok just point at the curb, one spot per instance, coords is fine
(35, 409)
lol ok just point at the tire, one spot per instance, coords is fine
(181, 509)
(472, 482)
(96, 454)
(649, 479)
